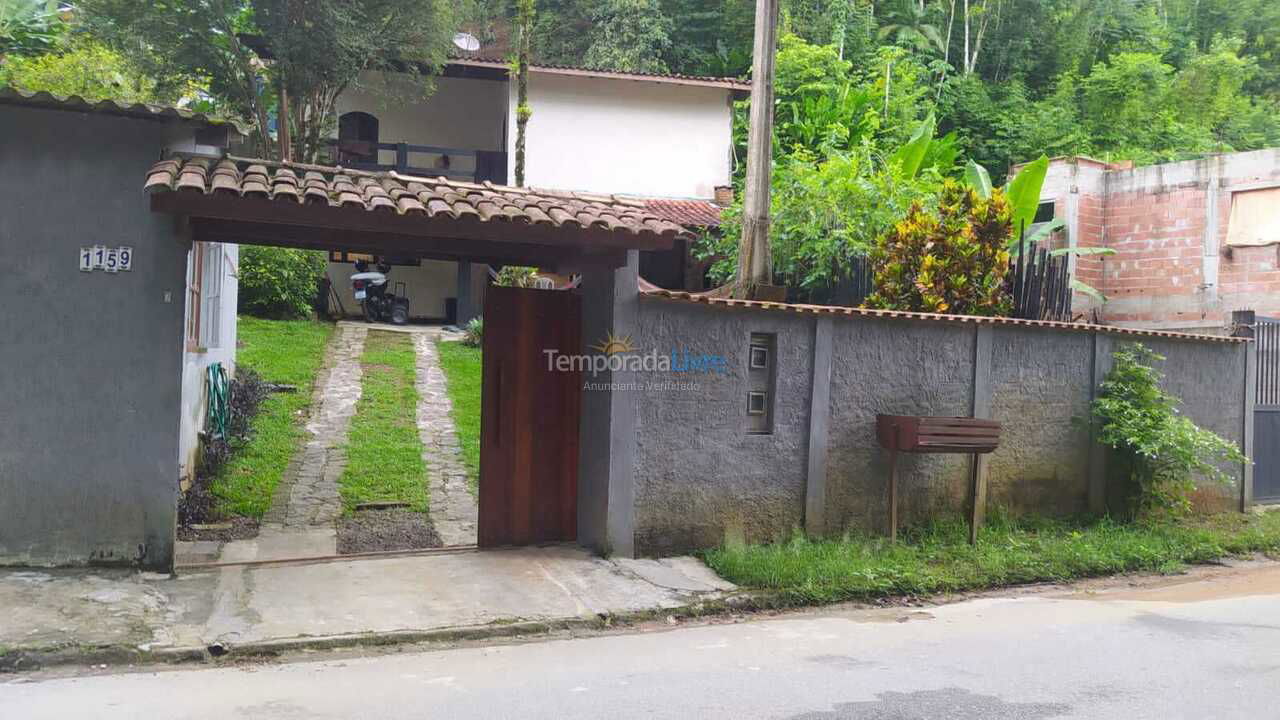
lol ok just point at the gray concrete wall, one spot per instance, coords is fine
(699, 474)
(701, 480)
(89, 393)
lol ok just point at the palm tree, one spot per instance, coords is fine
(908, 25)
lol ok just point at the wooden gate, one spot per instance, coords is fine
(529, 418)
(1266, 413)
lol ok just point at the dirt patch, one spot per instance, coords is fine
(390, 529)
(236, 528)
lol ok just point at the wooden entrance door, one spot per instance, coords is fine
(529, 418)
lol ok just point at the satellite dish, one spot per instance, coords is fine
(466, 41)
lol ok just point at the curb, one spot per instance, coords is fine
(17, 660)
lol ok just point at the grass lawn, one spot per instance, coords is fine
(937, 559)
(384, 450)
(461, 365)
(282, 351)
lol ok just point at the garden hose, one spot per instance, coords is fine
(219, 399)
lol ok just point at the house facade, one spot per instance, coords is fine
(114, 322)
(660, 142)
(1192, 241)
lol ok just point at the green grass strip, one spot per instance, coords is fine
(282, 351)
(461, 365)
(384, 450)
(937, 558)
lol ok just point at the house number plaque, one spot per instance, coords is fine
(107, 259)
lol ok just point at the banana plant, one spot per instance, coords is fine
(1023, 194)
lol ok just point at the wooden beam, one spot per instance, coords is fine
(227, 231)
(359, 220)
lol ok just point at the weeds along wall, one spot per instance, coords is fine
(708, 471)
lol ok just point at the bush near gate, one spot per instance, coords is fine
(278, 283)
(1162, 451)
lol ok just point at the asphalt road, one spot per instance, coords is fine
(1182, 649)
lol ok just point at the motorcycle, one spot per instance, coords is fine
(378, 305)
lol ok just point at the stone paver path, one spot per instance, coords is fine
(307, 495)
(452, 507)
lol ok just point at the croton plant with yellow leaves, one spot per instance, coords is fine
(950, 259)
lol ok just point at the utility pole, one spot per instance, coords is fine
(755, 261)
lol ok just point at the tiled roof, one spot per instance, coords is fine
(690, 213)
(497, 62)
(405, 195)
(496, 50)
(13, 96)
(650, 290)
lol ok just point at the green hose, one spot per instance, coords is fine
(219, 399)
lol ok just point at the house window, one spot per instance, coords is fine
(204, 296)
(211, 291)
(195, 276)
(1255, 218)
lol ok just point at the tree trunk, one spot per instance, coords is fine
(755, 261)
(522, 85)
(283, 120)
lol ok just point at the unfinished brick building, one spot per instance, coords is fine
(1193, 240)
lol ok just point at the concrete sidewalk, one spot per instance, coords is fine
(98, 615)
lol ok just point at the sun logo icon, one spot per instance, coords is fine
(614, 345)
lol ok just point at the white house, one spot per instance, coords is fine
(664, 140)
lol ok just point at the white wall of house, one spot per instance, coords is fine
(624, 136)
(219, 294)
(427, 286)
(461, 113)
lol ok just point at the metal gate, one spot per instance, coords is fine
(1266, 416)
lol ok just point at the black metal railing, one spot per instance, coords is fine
(486, 165)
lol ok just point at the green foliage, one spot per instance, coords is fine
(462, 371)
(384, 447)
(936, 558)
(1163, 451)
(29, 27)
(85, 68)
(319, 48)
(949, 260)
(825, 212)
(630, 35)
(473, 335)
(516, 276)
(278, 283)
(281, 351)
(1023, 193)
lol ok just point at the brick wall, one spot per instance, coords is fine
(1168, 226)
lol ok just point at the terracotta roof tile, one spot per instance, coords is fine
(651, 290)
(404, 195)
(13, 96)
(690, 213)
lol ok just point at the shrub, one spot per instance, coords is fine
(1162, 451)
(473, 334)
(950, 260)
(278, 283)
(516, 276)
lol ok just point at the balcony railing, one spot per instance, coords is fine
(489, 165)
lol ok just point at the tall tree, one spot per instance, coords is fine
(629, 35)
(524, 29)
(313, 50)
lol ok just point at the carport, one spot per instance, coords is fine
(556, 458)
